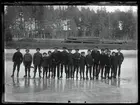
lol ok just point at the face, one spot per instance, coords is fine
(108, 52)
(37, 50)
(70, 51)
(102, 51)
(76, 51)
(55, 49)
(44, 55)
(113, 54)
(18, 50)
(27, 51)
(64, 49)
(119, 50)
(83, 54)
(49, 53)
(89, 52)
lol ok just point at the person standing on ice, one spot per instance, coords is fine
(17, 59)
(89, 63)
(120, 60)
(37, 60)
(27, 60)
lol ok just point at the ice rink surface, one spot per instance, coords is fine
(123, 90)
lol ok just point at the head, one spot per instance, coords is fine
(102, 51)
(49, 52)
(108, 52)
(70, 50)
(113, 53)
(83, 53)
(27, 50)
(18, 49)
(119, 49)
(76, 50)
(89, 52)
(64, 48)
(55, 49)
(37, 49)
(44, 54)
(96, 48)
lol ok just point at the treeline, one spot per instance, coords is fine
(49, 22)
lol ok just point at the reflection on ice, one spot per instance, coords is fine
(27, 85)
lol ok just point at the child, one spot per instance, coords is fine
(95, 55)
(64, 59)
(82, 64)
(70, 63)
(76, 59)
(102, 62)
(89, 63)
(108, 63)
(49, 62)
(120, 60)
(27, 60)
(17, 59)
(113, 65)
(37, 60)
(45, 64)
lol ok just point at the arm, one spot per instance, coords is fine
(34, 59)
(122, 57)
(21, 58)
(13, 59)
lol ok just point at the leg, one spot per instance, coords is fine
(43, 71)
(25, 71)
(105, 72)
(119, 71)
(54, 72)
(74, 70)
(87, 72)
(29, 69)
(39, 70)
(77, 71)
(47, 69)
(83, 72)
(90, 71)
(97, 71)
(18, 68)
(66, 71)
(14, 68)
(93, 69)
(58, 71)
(61, 70)
(35, 68)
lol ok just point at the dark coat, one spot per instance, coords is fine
(114, 60)
(108, 60)
(56, 57)
(27, 57)
(45, 61)
(17, 57)
(50, 60)
(120, 58)
(82, 61)
(37, 58)
(95, 56)
(102, 58)
(76, 59)
(64, 57)
(70, 59)
(89, 60)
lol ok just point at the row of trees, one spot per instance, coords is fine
(49, 22)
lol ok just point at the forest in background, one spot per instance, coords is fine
(48, 22)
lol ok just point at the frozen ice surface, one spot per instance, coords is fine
(123, 90)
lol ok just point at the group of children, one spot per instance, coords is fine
(95, 62)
